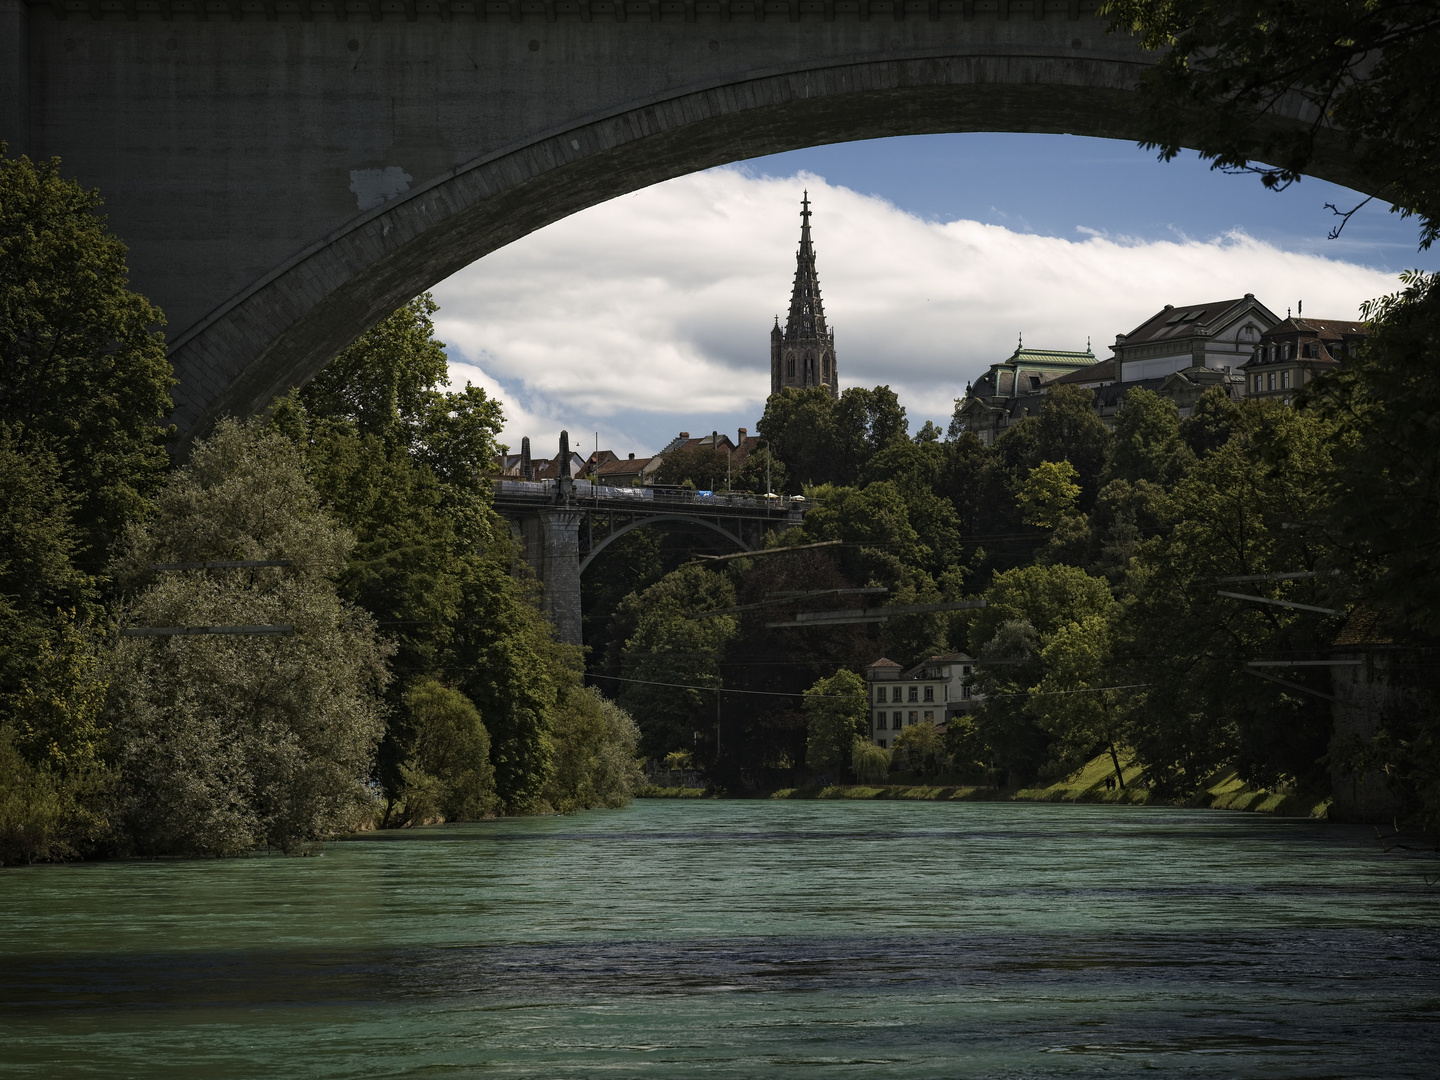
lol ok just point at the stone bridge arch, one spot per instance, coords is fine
(287, 172)
(661, 519)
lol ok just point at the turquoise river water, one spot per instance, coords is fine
(742, 939)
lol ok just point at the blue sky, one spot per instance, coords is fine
(1053, 184)
(649, 314)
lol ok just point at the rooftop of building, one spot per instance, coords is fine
(1102, 371)
(1324, 329)
(1174, 323)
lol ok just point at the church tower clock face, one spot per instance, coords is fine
(805, 337)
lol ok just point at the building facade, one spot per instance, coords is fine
(803, 353)
(1294, 351)
(1014, 388)
(1221, 335)
(933, 691)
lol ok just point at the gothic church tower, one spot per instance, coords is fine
(803, 354)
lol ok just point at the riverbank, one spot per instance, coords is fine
(1224, 791)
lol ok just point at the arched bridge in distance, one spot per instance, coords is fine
(288, 172)
(563, 524)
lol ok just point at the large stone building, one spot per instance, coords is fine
(1220, 335)
(1014, 388)
(1293, 352)
(803, 354)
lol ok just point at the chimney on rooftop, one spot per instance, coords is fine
(684, 434)
(744, 433)
(632, 457)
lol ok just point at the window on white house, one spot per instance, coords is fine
(929, 693)
(913, 715)
(1259, 379)
(897, 719)
(880, 720)
(1284, 380)
(881, 742)
(930, 716)
(914, 693)
(1270, 381)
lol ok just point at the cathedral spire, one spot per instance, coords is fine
(807, 311)
(804, 353)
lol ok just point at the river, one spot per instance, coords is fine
(742, 939)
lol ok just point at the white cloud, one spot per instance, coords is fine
(652, 312)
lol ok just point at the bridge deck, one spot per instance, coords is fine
(522, 496)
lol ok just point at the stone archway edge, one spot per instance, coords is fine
(281, 331)
(657, 519)
(217, 357)
(590, 122)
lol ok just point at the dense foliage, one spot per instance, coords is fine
(421, 682)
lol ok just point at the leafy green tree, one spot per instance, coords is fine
(503, 656)
(1045, 597)
(596, 742)
(83, 370)
(1147, 440)
(837, 711)
(703, 468)
(1015, 744)
(1049, 494)
(449, 773)
(1227, 517)
(386, 382)
(799, 429)
(1362, 71)
(869, 763)
(920, 748)
(761, 473)
(226, 742)
(1068, 429)
(1075, 701)
(668, 647)
(1211, 423)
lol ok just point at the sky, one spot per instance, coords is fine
(650, 314)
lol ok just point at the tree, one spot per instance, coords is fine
(1049, 493)
(701, 467)
(83, 370)
(869, 763)
(920, 749)
(837, 711)
(1045, 597)
(449, 772)
(761, 473)
(1363, 71)
(1068, 429)
(1147, 440)
(1075, 701)
(668, 655)
(799, 429)
(1189, 643)
(596, 742)
(226, 742)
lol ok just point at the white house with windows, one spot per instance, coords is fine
(934, 690)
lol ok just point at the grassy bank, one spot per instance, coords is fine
(1225, 791)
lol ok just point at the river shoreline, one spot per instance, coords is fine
(1224, 791)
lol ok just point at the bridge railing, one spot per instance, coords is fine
(585, 491)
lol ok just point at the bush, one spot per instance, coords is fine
(226, 742)
(869, 763)
(920, 749)
(449, 774)
(596, 742)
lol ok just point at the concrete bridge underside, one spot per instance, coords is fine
(287, 172)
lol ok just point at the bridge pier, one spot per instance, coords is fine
(552, 550)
